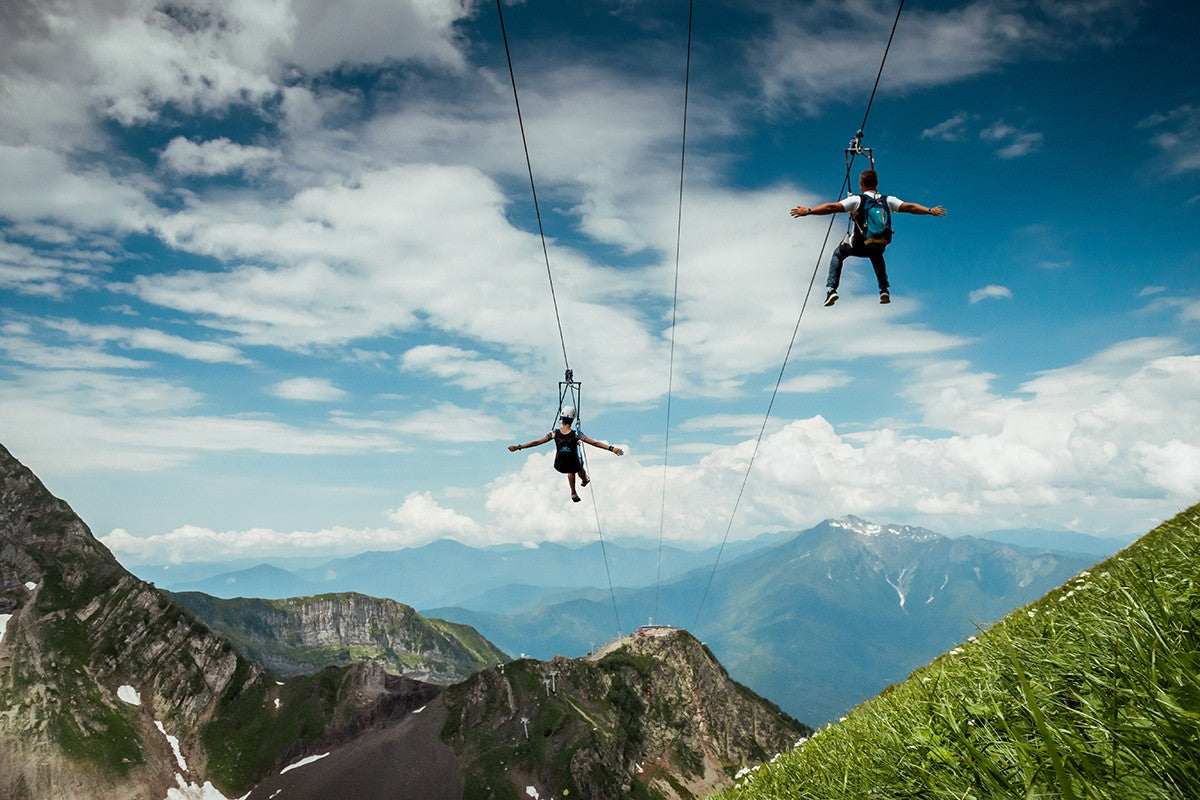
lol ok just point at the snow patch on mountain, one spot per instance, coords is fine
(302, 762)
(174, 742)
(860, 526)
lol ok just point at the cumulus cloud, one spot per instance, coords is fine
(216, 157)
(423, 520)
(1102, 446)
(465, 368)
(316, 390)
(991, 291)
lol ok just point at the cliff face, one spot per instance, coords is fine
(650, 716)
(81, 628)
(300, 635)
(109, 691)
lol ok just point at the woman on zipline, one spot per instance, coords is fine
(566, 447)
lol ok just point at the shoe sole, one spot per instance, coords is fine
(830, 301)
(885, 299)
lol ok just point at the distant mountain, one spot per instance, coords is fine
(262, 581)
(653, 717)
(303, 635)
(1090, 691)
(421, 576)
(110, 690)
(1062, 541)
(817, 623)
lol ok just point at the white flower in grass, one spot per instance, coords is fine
(956, 651)
(1031, 613)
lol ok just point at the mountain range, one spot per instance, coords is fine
(111, 690)
(818, 622)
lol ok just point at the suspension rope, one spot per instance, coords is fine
(662, 511)
(779, 380)
(603, 549)
(572, 385)
(532, 186)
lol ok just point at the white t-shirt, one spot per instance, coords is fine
(851, 202)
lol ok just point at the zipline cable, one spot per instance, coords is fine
(603, 549)
(532, 186)
(549, 275)
(662, 512)
(779, 380)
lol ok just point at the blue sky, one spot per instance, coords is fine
(272, 283)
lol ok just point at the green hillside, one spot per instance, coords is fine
(1091, 692)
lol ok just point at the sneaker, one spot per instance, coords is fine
(885, 298)
(831, 297)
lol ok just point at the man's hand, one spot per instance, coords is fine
(800, 211)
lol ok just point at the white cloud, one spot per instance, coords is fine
(1016, 142)
(461, 367)
(1177, 137)
(149, 339)
(423, 520)
(1102, 446)
(804, 60)
(41, 186)
(991, 291)
(318, 390)
(953, 129)
(215, 157)
(815, 382)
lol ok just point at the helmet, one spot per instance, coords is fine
(568, 412)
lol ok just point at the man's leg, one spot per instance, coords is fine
(835, 272)
(880, 267)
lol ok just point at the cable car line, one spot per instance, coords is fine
(571, 385)
(779, 380)
(687, 74)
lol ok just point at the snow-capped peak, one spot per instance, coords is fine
(862, 527)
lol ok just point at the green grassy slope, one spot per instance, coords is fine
(1091, 692)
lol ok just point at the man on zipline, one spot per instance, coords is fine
(566, 449)
(872, 215)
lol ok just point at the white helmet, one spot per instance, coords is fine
(568, 412)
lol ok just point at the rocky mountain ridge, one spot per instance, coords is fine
(109, 691)
(304, 634)
(653, 716)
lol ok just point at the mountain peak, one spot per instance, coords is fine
(864, 527)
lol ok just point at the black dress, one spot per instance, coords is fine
(566, 451)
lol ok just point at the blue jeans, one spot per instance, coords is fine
(846, 249)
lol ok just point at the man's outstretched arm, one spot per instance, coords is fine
(917, 208)
(824, 208)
